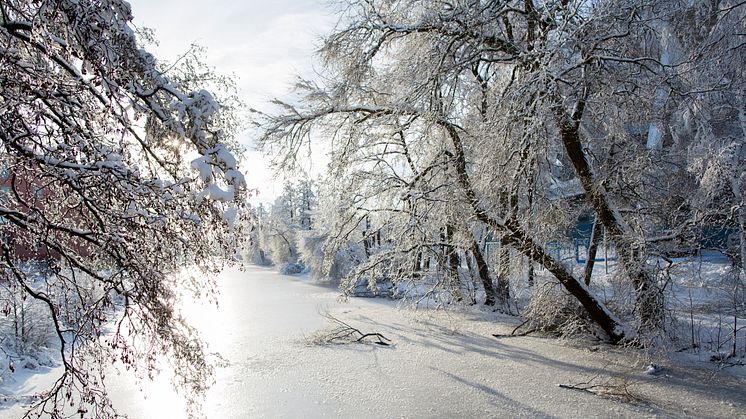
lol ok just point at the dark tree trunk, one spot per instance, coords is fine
(503, 273)
(262, 257)
(366, 238)
(473, 274)
(417, 266)
(510, 204)
(484, 274)
(451, 258)
(648, 306)
(595, 308)
(530, 198)
(592, 249)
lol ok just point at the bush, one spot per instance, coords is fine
(292, 268)
(553, 310)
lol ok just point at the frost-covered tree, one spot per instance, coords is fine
(325, 252)
(278, 228)
(119, 176)
(455, 114)
(252, 250)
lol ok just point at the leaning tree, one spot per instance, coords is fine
(468, 108)
(118, 176)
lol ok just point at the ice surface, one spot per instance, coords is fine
(440, 364)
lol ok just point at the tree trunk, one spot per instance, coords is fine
(484, 274)
(592, 249)
(473, 275)
(530, 198)
(417, 266)
(595, 308)
(518, 239)
(366, 239)
(503, 274)
(737, 180)
(632, 260)
(451, 259)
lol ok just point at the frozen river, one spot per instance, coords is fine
(441, 365)
(259, 328)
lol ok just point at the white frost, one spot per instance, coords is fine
(230, 216)
(204, 168)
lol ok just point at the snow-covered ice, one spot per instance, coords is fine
(440, 364)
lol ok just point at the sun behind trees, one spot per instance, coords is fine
(451, 121)
(118, 175)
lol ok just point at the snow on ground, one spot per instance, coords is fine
(23, 382)
(440, 364)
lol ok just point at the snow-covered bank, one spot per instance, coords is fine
(440, 365)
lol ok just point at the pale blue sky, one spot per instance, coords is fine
(264, 43)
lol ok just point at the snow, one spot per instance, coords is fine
(20, 385)
(221, 159)
(224, 156)
(205, 169)
(440, 364)
(230, 216)
(234, 177)
(216, 193)
(653, 369)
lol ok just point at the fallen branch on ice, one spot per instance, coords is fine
(617, 388)
(343, 333)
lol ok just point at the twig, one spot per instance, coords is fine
(518, 327)
(588, 389)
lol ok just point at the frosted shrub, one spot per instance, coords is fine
(553, 310)
(280, 249)
(311, 250)
(292, 268)
(25, 323)
(325, 262)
